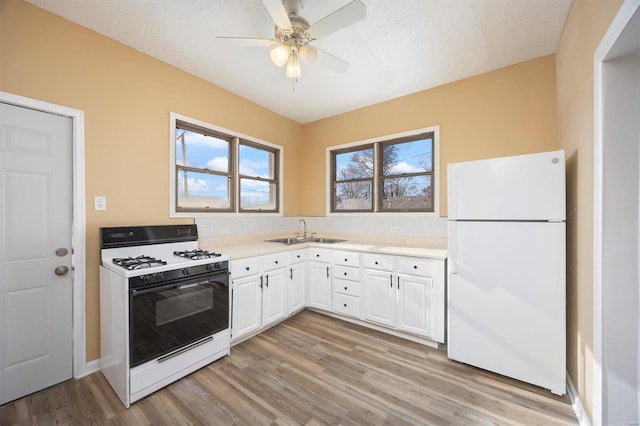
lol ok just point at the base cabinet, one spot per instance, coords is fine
(319, 288)
(247, 306)
(274, 296)
(380, 297)
(297, 293)
(415, 312)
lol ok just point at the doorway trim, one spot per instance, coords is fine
(80, 367)
(624, 15)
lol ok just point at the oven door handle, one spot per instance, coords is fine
(157, 289)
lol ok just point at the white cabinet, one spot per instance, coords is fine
(319, 283)
(274, 288)
(346, 283)
(297, 280)
(421, 297)
(405, 293)
(246, 296)
(379, 290)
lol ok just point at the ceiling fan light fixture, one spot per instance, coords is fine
(308, 53)
(280, 54)
(293, 67)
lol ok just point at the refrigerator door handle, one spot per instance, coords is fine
(452, 245)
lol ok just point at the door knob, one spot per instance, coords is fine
(61, 270)
(61, 252)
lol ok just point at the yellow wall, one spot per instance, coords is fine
(126, 97)
(509, 111)
(587, 23)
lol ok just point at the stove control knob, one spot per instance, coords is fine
(219, 265)
(210, 267)
(186, 271)
(146, 278)
(158, 276)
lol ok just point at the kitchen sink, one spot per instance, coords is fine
(325, 240)
(289, 241)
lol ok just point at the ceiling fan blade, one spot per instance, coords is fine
(246, 42)
(278, 13)
(349, 14)
(332, 62)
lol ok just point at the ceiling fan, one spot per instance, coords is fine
(294, 36)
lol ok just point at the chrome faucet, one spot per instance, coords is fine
(304, 236)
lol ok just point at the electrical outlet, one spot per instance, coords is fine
(394, 229)
(100, 202)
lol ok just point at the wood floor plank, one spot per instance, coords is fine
(311, 369)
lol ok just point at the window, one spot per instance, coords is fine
(395, 174)
(215, 170)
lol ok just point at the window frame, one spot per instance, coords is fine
(334, 178)
(236, 137)
(274, 180)
(378, 179)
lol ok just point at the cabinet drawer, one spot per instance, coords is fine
(346, 287)
(348, 258)
(319, 254)
(297, 256)
(346, 273)
(244, 267)
(417, 266)
(378, 261)
(346, 305)
(274, 261)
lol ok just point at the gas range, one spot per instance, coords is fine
(156, 251)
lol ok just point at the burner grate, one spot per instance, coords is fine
(196, 254)
(140, 262)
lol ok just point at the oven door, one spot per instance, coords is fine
(166, 317)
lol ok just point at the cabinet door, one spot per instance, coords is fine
(319, 290)
(380, 297)
(247, 306)
(274, 306)
(298, 281)
(415, 314)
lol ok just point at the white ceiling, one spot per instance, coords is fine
(401, 46)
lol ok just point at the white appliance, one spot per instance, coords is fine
(506, 266)
(164, 307)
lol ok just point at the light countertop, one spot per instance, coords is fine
(249, 246)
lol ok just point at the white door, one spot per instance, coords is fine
(414, 304)
(319, 291)
(380, 297)
(35, 251)
(247, 306)
(274, 307)
(298, 284)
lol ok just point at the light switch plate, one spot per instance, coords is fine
(100, 202)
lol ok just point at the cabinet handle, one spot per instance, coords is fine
(267, 281)
(298, 256)
(261, 280)
(317, 255)
(376, 262)
(346, 260)
(345, 288)
(415, 266)
(391, 281)
(345, 274)
(345, 305)
(248, 268)
(398, 282)
(276, 262)
(327, 272)
(291, 273)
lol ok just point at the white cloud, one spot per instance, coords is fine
(404, 167)
(250, 168)
(218, 163)
(192, 139)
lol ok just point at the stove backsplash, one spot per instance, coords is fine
(389, 226)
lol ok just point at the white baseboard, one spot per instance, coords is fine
(89, 368)
(578, 408)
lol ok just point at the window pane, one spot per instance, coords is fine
(256, 162)
(407, 193)
(201, 151)
(354, 164)
(407, 157)
(353, 196)
(257, 195)
(202, 190)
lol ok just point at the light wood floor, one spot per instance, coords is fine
(311, 369)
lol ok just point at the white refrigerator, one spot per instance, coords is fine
(506, 267)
